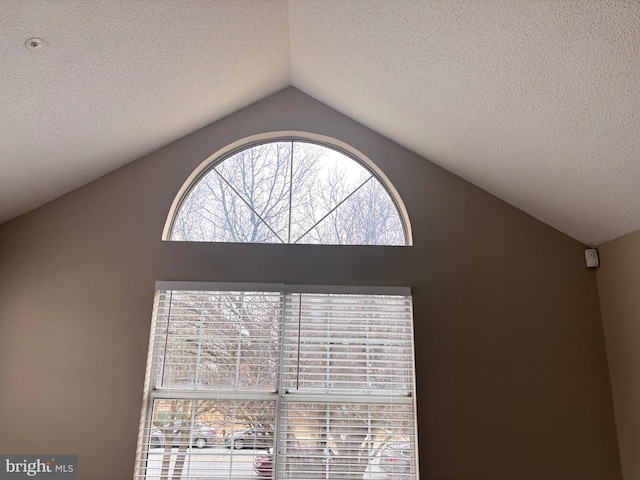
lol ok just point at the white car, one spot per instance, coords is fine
(201, 434)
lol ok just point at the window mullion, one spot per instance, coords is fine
(166, 339)
(290, 193)
(279, 410)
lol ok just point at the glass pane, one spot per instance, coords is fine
(209, 439)
(368, 217)
(348, 344)
(323, 179)
(214, 212)
(261, 175)
(219, 341)
(347, 441)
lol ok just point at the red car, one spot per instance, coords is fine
(263, 464)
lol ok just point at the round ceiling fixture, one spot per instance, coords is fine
(34, 43)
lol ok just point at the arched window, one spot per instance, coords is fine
(289, 191)
(272, 380)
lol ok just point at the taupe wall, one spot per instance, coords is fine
(619, 286)
(512, 373)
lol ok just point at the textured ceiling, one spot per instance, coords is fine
(535, 102)
(119, 79)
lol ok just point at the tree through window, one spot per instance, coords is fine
(289, 192)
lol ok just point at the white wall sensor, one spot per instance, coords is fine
(591, 257)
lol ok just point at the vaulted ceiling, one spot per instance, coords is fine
(536, 102)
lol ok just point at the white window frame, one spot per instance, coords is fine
(282, 395)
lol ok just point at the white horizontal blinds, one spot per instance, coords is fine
(248, 383)
(223, 341)
(211, 384)
(348, 404)
(348, 344)
(194, 438)
(151, 374)
(338, 440)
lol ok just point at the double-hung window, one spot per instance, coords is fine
(279, 381)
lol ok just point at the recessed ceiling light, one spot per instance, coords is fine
(34, 43)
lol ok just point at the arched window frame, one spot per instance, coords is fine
(248, 142)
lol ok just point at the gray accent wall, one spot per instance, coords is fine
(512, 373)
(619, 287)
